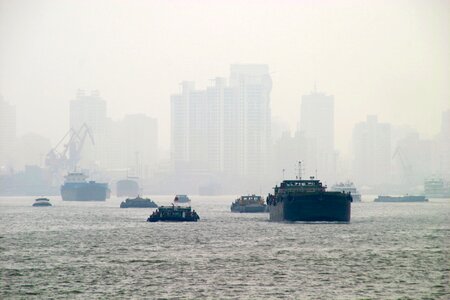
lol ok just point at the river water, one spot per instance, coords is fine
(97, 250)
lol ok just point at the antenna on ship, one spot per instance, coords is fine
(300, 170)
(283, 173)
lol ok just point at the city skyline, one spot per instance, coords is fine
(398, 69)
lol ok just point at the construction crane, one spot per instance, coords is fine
(406, 166)
(67, 158)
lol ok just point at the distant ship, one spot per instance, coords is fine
(40, 202)
(127, 187)
(76, 188)
(174, 214)
(437, 188)
(347, 187)
(401, 199)
(308, 200)
(249, 204)
(138, 202)
(181, 199)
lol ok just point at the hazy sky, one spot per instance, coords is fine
(389, 58)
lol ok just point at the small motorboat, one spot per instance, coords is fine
(41, 202)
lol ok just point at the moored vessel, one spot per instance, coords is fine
(76, 188)
(174, 214)
(347, 187)
(41, 202)
(249, 204)
(406, 198)
(138, 202)
(308, 200)
(127, 187)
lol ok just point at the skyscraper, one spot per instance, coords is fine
(7, 132)
(252, 85)
(225, 128)
(317, 126)
(371, 152)
(91, 110)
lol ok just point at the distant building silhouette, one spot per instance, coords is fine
(317, 127)
(7, 133)
(90, 109)
(133, 145)
(224, 128)
(371, 152)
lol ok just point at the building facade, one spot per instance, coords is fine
(317, 126)
(371, 152)
(226, 127)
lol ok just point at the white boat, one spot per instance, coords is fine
(347, 187)
(40, 202)
(181, 199)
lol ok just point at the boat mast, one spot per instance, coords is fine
(300, 170)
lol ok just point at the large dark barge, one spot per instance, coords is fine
(308, 200)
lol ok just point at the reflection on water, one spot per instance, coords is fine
(96, 249)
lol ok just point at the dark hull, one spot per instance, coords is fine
(173, 219)
(41, 204)
(312, 207)
(401, 199)
(249, 208)
(85, 192)
(138, 204)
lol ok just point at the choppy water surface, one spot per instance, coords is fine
(97, 250)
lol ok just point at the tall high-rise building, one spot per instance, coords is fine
(225, 128)
(90, 109)
(317, 126)
(140, 139)
(7, 133)
(443, 146)
(179, 124)
(371, 152)
(252, 84)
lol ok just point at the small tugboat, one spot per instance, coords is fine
(138, 202)
(401, 199)
(41, 202)
(249, 204)
(174, 214)
(181, 199)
